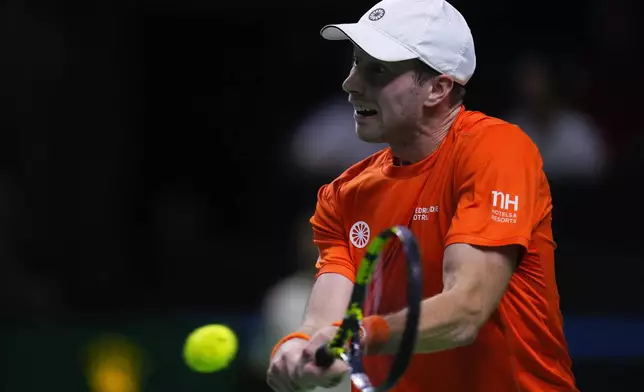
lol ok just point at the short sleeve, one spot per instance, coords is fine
(330, 238)
(497, 183)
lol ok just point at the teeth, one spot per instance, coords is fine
(361, 108)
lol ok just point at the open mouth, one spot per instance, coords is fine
(365, 112)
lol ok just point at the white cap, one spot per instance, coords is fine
(432, 31)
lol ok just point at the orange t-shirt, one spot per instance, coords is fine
(485, 186)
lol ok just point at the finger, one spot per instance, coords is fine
(334, 382)
(307, 355)
(274, 381)
(293, 370)
(310, 355)
(281, 384)
(319, 339)
(309, 374)
(312, 374)
(301, 379)
(279, 379)
(275, 386)
(340, 367)
(291, 375)
(309, 351)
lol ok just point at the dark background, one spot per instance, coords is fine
(149, 182)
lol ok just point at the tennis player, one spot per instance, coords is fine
(473, 191)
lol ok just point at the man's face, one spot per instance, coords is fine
(387, 99)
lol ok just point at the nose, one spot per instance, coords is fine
(353, 84)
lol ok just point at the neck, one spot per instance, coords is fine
(429, 136)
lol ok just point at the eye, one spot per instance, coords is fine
(377, 69)
(374, 72)
(370, 67)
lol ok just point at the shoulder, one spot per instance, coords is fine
(353, 175)
(477, 127)
(483, 137)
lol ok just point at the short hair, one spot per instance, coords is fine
(424, 72)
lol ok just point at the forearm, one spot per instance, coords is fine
(474, 280)
(327, 303)
(445, 323)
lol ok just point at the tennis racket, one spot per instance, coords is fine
(346, 343)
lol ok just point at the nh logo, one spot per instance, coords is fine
(503, 201)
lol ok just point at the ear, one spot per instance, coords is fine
(439, 89)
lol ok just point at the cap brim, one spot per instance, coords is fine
(376, 44)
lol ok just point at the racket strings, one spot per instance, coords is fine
(375, 290)
(384, 293)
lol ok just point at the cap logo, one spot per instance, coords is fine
(376, 14)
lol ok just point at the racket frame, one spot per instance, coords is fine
(345, 344)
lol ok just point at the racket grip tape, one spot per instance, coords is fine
(323, 357)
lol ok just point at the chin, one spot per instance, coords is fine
(369, 134)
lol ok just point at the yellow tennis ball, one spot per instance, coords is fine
(210, 348)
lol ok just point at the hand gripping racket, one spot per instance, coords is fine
(346, 343)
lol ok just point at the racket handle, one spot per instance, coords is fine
(323, 357)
